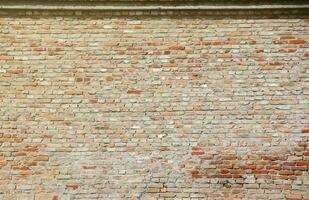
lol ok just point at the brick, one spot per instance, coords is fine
(302, 163)
(177, 47)
(89, 167)
(153, 190)
(197, 153)
(55, 197)
(196, 174)
(260, 171)
(248, 167)
(73, 92)
(285, 177)
(93, 101)
(54, 118)
(229, 158)
(134, 91)
(72, 186)
(41, 158)
(271, 67)
(293, 196)
(31, 149)
(286, 172)
(79, 79)
(109, 78)
(287, 37)
(43, 197)
(20, 154)
(14, 71)
(20, 168)
(170, 65)
(297, 42)
(153, 104)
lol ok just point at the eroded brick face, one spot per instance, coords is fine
(133, 107)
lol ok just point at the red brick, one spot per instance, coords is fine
(301, 168)
(20, 168)
(170, 65)
(260, 59)
(237, 171)
(293, 197)
(93, 101)
(276, 63)
(287, 37)
(270, 67)
(286, 187)
(273, 158)
(55, 197)
(31, 149)
(68, 123)
(252, 42)
(248, 167)
(224, 176)
(20, 154)
(274, 167)
(298, 173)
(225, 171)
(79, 79)
(109, 78)
(260, 171)
(14, 71)
(26, 172)
(197, 153)
(218, 43)
(297, 41)
(72, 186)
(41, 158)
(89, 167)
(197, 149)
(302, 163)
(289, 163)
(230, 158)
(134, 91)
(39, 49)
(225, 166)
(196, 174)
(177, 47)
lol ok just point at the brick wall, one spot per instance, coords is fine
(112, 106)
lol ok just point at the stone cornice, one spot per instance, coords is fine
(151, 5)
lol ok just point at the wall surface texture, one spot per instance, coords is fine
(110, 105)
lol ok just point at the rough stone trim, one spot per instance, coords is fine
(127, 6)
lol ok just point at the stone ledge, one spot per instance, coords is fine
(151, 5)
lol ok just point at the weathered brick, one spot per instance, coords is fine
(297, 42)
(293, 197)
(153, 104)
(134, 91)
(72, 186)
(41, 158)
